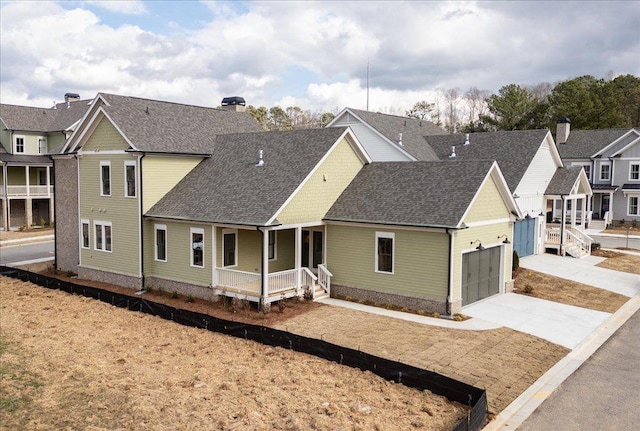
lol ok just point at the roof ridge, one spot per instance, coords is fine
(161, 101)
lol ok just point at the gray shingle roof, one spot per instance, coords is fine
(229, 188)
(32, 119)
(630, 186)
(165, 127)
(563, 180)
(413, 131)
(24, 159)
(433, 194)
(582, 144)
(513, 150)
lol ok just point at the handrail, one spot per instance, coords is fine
(311, 277)
(607, 218)
(581, 238)
(324, 278)
(310, 274)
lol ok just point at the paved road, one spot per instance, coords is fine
(21, 253)
(603, 394)
(614, 242)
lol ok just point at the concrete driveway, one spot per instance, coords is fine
(584, 271)
(561, 324)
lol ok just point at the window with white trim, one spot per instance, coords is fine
(19, 147)
(229, 247)
(605, 172)
(632, 206)
(102, 235)
(42, 145)
(197, 247)
(634, 171)
(160, 242)
(130, 178)
(84, 232)
(385, 252)
(272, 245)
(105, 178)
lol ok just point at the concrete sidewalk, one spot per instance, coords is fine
(28, 240)
(584, 271)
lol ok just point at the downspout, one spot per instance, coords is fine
(141, 237)
(449, 269)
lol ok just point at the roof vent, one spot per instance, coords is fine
(260, 158)
(466, 139)
(453, 152)
(146, 111)
(400, 139)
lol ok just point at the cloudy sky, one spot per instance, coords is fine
(310, 54)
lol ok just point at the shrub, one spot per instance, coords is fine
(528, 289)
(190, 299)
(595, 246)
(634, 223)
(516, 261)
(43, 223)
(435, 314)
(174, 295)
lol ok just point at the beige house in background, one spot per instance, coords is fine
(27, 136)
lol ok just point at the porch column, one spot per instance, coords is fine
(52, 211)
(298, 256)
(265, 267)
(584, 210)
(214, 256)
(26, 170)
(28, 212)
(610, 207)
(48, 183)
(563, 218)
(574, 211)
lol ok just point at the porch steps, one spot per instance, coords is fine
(320, 293)
(576, 251)
(598, 225)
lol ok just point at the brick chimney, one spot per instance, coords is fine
(234, 103)
(563, 128)
(71, 97)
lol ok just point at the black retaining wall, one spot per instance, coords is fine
(390, 370)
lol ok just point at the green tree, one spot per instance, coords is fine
(514, 108)
(422, 110)
(278, 119)
(261, 115)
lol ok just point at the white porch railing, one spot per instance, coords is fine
(552, 235)
(324, 278)
(240, 280)
(581, 239)
(29, 191)
(608, 218)
(309, 279)
(283, 280)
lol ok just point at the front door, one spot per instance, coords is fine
(312, 248)
(605, 205)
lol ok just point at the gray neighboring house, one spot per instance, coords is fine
(27, 135)
(611, 160)
(125, 154)
(389, 138)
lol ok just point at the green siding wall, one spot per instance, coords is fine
(161, 173)
(178, 265)
(488, 205)
(5, 140)
(105, 137)
(122, 212)
(285, 251)
(322, 189)
(421, 261)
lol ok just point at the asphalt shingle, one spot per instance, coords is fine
(563, 180)
(413, 131)
(434, 194)
(229, 188)
(582, 144)
(32, 119)
(513, 150)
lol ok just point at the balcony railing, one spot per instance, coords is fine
(27, 191)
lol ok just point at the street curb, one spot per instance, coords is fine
(33, 239)
(522, 407)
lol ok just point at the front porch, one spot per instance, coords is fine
(270, 264)
(567, 219)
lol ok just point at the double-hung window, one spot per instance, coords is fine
(634, 171)
(19, 144)
(229, 247)
(85, 233)
(633, 209)
(605, 172)
(272, 245)
(105, 178)
(197, 247)
(102, 240)
(42, 145)
(161, 242)
(385, 252)
(130, 179)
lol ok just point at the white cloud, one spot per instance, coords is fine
(134, 7)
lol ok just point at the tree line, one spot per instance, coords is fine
(589, 102)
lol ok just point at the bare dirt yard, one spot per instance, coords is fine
(543, 286)
(619, 261)
(68, 362)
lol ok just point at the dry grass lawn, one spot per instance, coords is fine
(72, 363)
(568, 292)
(619, 261)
